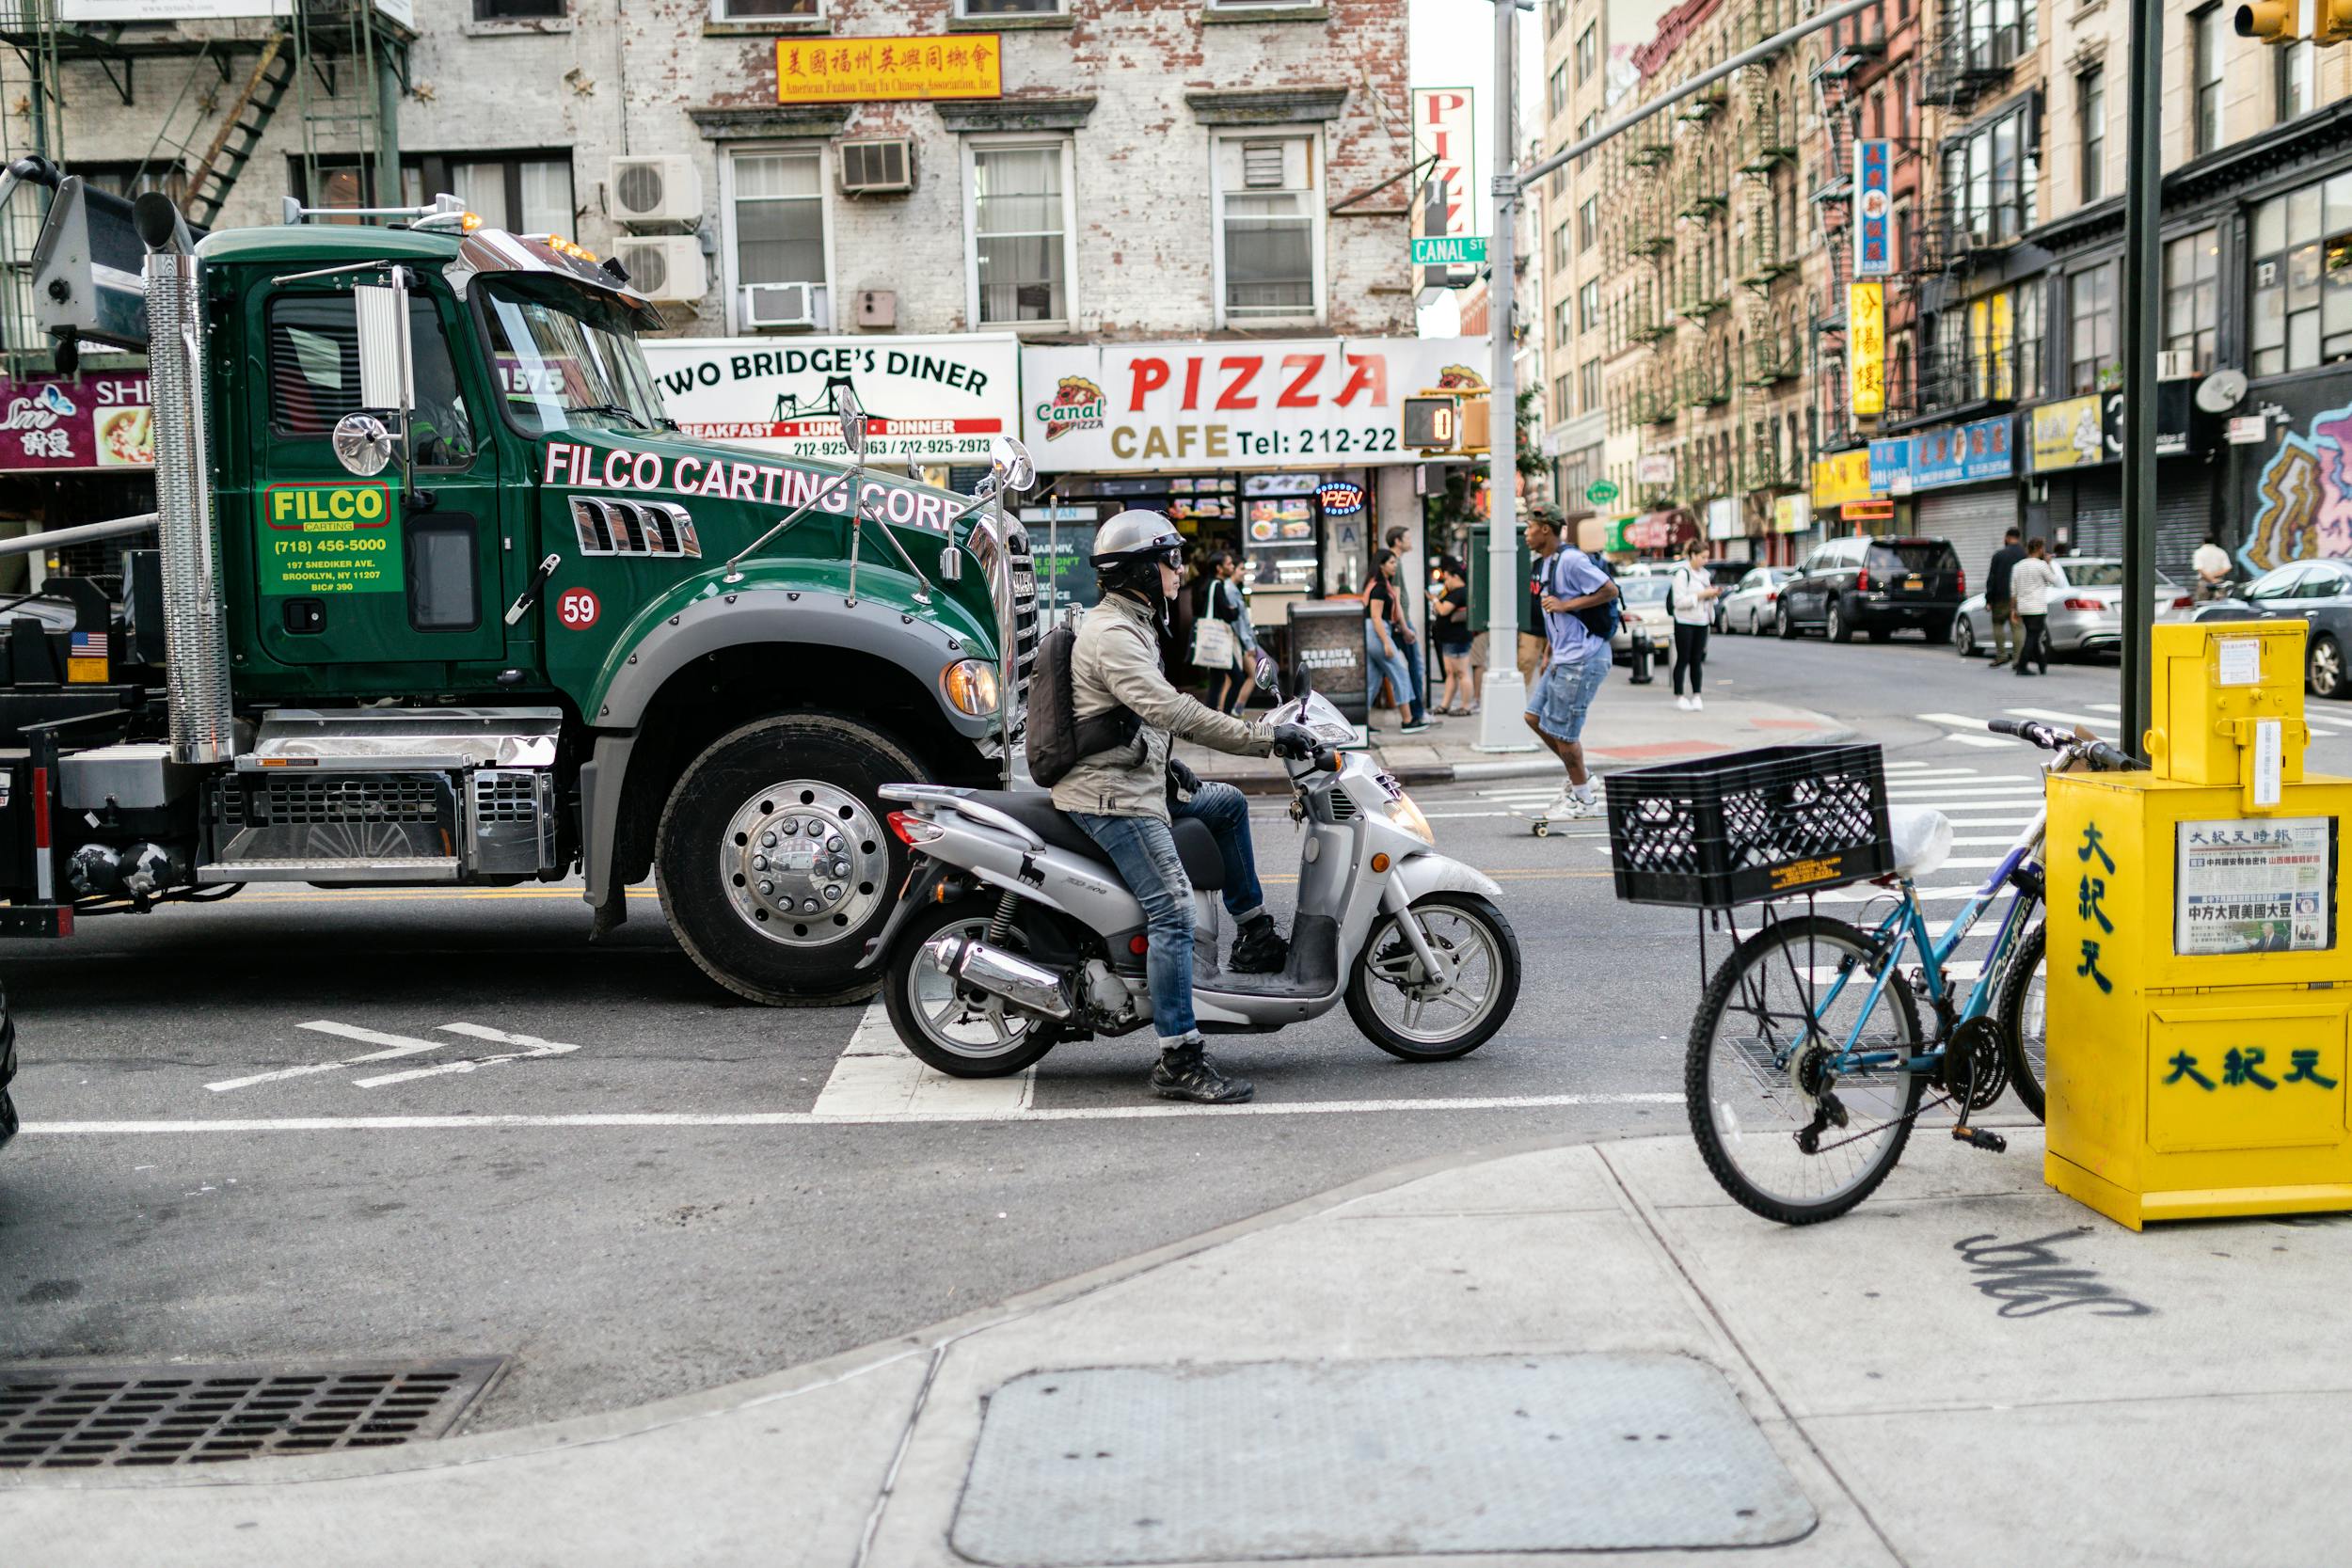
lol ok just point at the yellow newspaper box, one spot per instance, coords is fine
(2200, 991)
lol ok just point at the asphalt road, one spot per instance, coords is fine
(592, 1161)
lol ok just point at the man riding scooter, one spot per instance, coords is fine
(1124, 797)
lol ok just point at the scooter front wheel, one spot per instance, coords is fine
(1412, 1014)
(947, 1028)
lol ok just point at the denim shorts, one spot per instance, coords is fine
(1562, 693)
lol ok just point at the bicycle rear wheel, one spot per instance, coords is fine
(2023, 1016)
(1756, 1081)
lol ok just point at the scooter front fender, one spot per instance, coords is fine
(1418, 875)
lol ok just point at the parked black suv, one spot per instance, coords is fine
(1875, 585)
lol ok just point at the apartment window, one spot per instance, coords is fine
(1989, 179)
(1588, 385)
(1584, 128)
(1587, 52)
(1587, 223)
(1558, 99)
(1271, 250)
(2205, 36)
(775, 202)
(1560, 249)
(526, 196)
(2090, 107)
(2025, 312)
(517, 10)
(1555, 16)
(132, 180)
(2091, 336)
(729, 10)
(1588, 307)
(1020, 224)
(2302, 272)
(2295, 66)
(2192, 294)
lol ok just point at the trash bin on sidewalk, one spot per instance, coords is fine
(2197, 996)
(1328, 647)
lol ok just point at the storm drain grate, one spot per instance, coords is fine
(60, 1417)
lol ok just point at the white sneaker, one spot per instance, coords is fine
(1698, 706)
(1683, 703)
(1583, 805)
(1563, 808)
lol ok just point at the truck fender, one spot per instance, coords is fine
(916, 645)
(1417, 876)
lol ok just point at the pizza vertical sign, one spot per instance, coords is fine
(1445, 130)
(1874, 210)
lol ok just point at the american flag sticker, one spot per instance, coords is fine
(89, 644)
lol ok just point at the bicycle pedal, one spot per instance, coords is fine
(1981, 1137)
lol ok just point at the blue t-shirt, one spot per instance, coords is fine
(1570, 575)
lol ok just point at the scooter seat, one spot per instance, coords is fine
(1195, 845)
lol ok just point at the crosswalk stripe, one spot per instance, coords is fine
(1998, 742)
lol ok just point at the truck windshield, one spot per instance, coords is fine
(567, 360)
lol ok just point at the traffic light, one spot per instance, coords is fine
(2331, 21)
(2271, 21)
(2293, 21)
(1477, 430)
(1431, 423)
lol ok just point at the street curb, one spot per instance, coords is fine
(579, 1432)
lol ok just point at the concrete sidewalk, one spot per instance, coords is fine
(1968, 1370)
(1630, 726)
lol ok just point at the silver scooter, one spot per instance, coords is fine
(1014, 931)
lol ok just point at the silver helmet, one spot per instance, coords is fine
(1136, 536)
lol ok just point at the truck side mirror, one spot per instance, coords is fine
(384, 376)
(852, 420)
(951, 562)
(362, 444)
(1009, 461)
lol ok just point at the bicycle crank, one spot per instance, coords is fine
(1973, 1071)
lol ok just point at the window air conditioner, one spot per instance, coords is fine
(773, 306)
(669, 269)
(2176, 364)
(664, 189)
(883, 167)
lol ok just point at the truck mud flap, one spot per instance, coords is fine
(36, 920)
(922, 886)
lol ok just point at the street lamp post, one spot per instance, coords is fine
(2143, 269)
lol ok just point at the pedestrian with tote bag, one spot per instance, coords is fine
(1229, 680)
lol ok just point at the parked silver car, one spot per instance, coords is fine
(2318, 593)
(1646, 613)
(1749, 604)
(2086, 609)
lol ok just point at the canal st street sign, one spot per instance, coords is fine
(1601, 492)
(1437, 250)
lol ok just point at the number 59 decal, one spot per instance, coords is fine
(576, 607)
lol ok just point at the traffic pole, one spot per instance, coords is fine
(1504, 695)
(2143, 268)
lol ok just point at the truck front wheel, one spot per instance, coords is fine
(775, 861)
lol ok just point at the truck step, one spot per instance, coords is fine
(360, 870)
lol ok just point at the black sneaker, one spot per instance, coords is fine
(1259, 949)
(1185, 1073)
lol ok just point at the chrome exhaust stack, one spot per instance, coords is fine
(1032, 987)
(196, 638)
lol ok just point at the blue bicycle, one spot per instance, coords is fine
(1808, 1060)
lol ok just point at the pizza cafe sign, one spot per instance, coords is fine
(1145, 407)
(927, 400)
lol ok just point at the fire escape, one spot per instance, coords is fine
(337, 67)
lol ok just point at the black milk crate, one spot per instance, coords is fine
(1772, 822)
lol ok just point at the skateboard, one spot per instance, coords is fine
(1541, 820)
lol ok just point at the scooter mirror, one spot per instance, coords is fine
(1269, 677)
(853, 419)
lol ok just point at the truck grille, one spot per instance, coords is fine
(505, 797)
(280, 802)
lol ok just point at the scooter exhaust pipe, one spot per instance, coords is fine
(1029, 987)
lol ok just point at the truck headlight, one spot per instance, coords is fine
(1403, 814)
(970, 685)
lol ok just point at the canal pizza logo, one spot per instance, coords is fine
(1078, 405)
(2303, 507)
(1460, 378)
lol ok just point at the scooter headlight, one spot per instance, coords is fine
(970, 685)
(1403, 814)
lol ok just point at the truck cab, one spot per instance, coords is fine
(445, 598)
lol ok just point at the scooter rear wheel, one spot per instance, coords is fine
(963, 1035)
(1388, 998)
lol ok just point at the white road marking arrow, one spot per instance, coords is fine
(395, 1045)
(531, 1045)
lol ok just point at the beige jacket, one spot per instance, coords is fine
(1116, 663)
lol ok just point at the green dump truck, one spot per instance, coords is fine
(440, 596)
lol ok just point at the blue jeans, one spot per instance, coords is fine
(1416, 667)
(1144, 850)
(1396, 667)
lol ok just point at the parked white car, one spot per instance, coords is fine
(1748, 605)
(2086, 609)
(1646, 613)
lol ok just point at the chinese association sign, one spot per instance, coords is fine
(92, 421)
(2260, 886)
(847, 70)
(1865, 348)
(1874, 210)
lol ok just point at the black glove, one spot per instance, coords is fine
(1183, 782)
(1294, 741)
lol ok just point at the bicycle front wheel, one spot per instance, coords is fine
(1791, 1137)
(2023, 1012)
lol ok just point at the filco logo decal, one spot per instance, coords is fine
(1078, 405)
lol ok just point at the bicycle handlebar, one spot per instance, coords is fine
(2103, 757)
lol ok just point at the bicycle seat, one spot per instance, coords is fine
(1204, 866)
(1922, 837)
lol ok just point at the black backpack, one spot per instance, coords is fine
(1057, 739)
(1601, 619)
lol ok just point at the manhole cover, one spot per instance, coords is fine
(1134, 1464)
(55, 1418)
